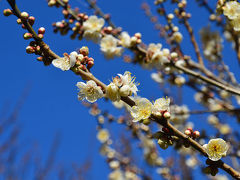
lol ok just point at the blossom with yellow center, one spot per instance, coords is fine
(216, 148)
(231, 9)
(89, 91)
(92, 28)
(109, 47)
(103, 135)
(142, 110)
(161, 105)
(66, 62)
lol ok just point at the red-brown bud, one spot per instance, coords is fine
(7, 12)
(188, 132)
(196, 134)
(30, 49)
(41, 30)
(24, 15)
(31, 20)
(27, 36)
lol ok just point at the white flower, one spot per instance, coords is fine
(161, 105)
(66, 62)
(156, 54)
(127, 83)
(231, 9)
(125, 39)
(113, 92)
(142, 110)
(90, 91)
(216, 148)
(92, 28)
(103, 135)
(109, 47)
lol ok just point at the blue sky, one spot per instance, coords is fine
(52, 104)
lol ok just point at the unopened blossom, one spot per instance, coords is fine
(66, 62)
(112, 92)
(127, 84)
(142, 110)
(125, 39)
(109, 46)
(231, 9)
(216, 148)
(177, 36)
(89, 91)
(92, 28)
(103, 135)
(161, 105)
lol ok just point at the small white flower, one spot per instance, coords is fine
(66, 62)
(158, 55)
(109, 47)
(142, 110)
(127, 83)
(103, 135)
(92, 28)
(231, 9)
(161, 105)
(125, 39)
(90, 91)
(216, 148)
(113, 92)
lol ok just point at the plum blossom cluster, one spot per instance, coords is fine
(231, 9)
(74, 60)
(144, 108)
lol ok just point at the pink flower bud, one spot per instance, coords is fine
(31, 20)
(196, 134)
(90, 64)
(188, 132)
(41, 30)
(27, 36)
(7, 12)
(24, 15)
(30, 49)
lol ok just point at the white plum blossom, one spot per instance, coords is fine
(216, 148)
(127, 84)
(103, 135)
(66, 62)
(161, 105)
(125, 39)
(231, 9)
(109, 47)
(142, 110)
(92, 28)
(89, 91)
(157, 54)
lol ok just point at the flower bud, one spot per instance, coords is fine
(40, 58)
(167, 115)
(41, 30)
(125, 90)
(40, 36)
(24, 15)
(30, 49)
(196, 134)
(84, 51)
(31, 20)
(177, 36)
(162, 144)
(112, 92)
(90, 64)
(19, 21)
(188, 132)
(7, 12)
(27, 36)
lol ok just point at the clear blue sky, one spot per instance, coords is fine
(52, 104)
